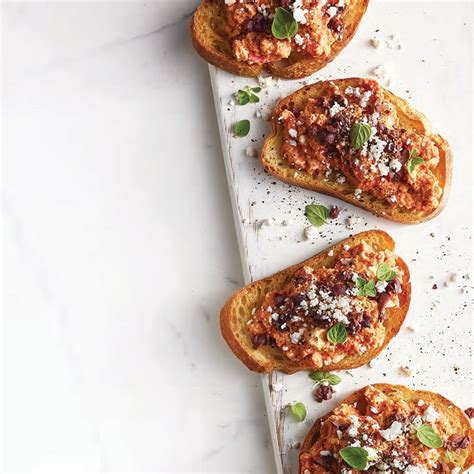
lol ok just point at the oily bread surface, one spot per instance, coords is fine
(410, 119)
(456, 418)
(212, 43)
(237, 311)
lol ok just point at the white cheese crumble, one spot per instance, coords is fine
(299, 40)
(380, 286)
(430, 415)
(332, 11)
(353, 430)
(364, 99)
(292, 132)
(335, 109)
(341, 179)
(346, 247)
(299, 13)
(293, 143)
(358, 193)
(395, 165)
(251, 152)
(325, 453)
(331, 253)
(392, 432)
(310, 233)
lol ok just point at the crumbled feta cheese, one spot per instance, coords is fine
(430, 415)
(302, 139)
(353, 429)
(292, 132)
(299, 13)
(299, 40)
(358, 193)
(341, 4)
(392, 432)
(293, 143)
(375, 42)
(332, 11)
(331, 253)
(380, 286)
(335, 109)
(372, 453)
(364, 99)
(310, 232)
(341, 179)
(405, 370)
(383, 169)
(395, 165)
(346, 247)
(325, 453)
(229, 2)
(296, 336)
(251, 152)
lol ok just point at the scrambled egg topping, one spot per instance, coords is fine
(386, 429)
(297, 318)
(249, 26)
(317, 139)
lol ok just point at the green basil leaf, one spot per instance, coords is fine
(429, 437)
(242, 128)
(385, 272)
(317, 214)
(284, 26)
(298, 410)
(355, 457)
(413, 161)
(256, 89)
(253, 98)
(360, 283)
(370, 289)
(360, 134)
(365, 288)
(337, 334)
(319, 377)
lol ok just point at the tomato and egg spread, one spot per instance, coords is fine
(396, 436)
(326, 139)
(249, 26)
(321, 315)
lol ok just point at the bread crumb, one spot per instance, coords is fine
(406, 371)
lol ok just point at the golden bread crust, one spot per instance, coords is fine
(212, 44)
(410, 119)
(237, 311)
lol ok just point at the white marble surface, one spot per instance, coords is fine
(119, 244)
(119, 249)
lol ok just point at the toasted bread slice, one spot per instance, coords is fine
(456, 418)
(211, 41)
(410, 119)
(237, 311)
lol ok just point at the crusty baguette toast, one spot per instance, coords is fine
(455, 416)
(410, 119)
(237, 311)
(212, 43)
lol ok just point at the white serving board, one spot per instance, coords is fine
(432, 70)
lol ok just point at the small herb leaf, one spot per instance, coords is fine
(355, 457)
(365, 288)
(337, 334)
(385, 272)
(317, 214)
(413, 161)
(429, 437)
(242, 128)
(284, 26)
(246, 95)
(360, 134)
(298, 410)
(319, 377)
